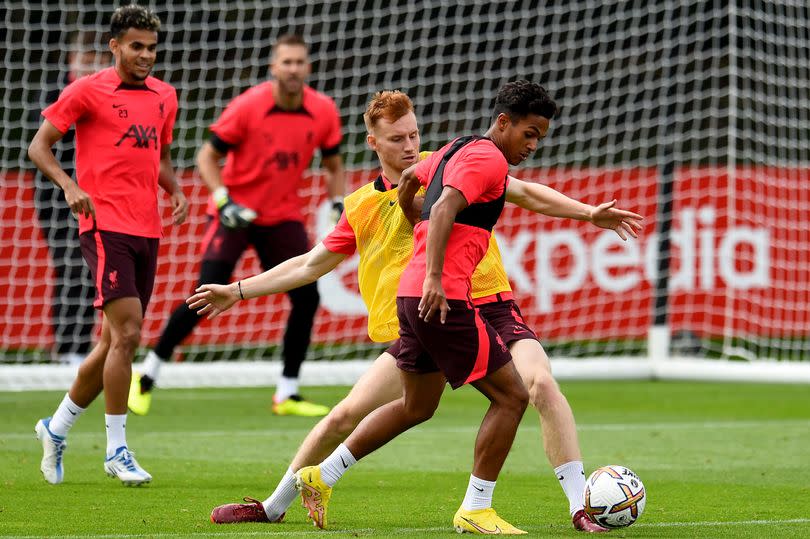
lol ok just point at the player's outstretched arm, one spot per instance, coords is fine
(168, 181)
(543, 199)
(213, 299)
(40, 153)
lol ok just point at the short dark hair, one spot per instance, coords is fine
(290, 39)
(133, 16)
(520, 98)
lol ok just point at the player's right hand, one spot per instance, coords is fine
(231, 214)
(80, 202)
(213, 299)
(433, 300)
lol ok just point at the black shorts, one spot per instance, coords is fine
(505, 318)
(465, 348)
(273, 244)
(122, 265)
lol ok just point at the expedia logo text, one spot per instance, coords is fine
(141, 136)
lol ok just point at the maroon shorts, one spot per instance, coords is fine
(465, 348)
(122, 266)
(273, 244)
(505, 318)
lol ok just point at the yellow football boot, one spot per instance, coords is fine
(483, 522)
(315, 493)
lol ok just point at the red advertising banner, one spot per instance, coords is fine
(740, 261)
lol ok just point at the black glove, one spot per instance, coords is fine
(337, 210)
(231, 214)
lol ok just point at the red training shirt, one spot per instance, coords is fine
(120, 130)
(478, 170)
(268, 149)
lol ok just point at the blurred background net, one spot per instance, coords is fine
(695, 114)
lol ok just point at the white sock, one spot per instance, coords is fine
(281, 498)
(479, 494)
(151, 365)
(336, 464)
(65, 416)
(285, 388)
(116, 432)
(571, 476)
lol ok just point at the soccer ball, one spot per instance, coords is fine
(614, 496)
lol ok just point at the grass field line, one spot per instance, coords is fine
(461, 429)
(406, 531)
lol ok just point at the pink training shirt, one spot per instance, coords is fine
(268, 149)
(478, 170)
(120, 130)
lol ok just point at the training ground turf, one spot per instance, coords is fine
(718, 460)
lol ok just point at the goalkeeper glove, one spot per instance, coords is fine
(231, 214)
(337, 209)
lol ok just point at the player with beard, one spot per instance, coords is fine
(267, 137)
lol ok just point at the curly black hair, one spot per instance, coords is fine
(133, 16)
(520, 98)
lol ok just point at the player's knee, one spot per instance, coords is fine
(127, 336)
(542, 389)
(342, 420)
(418, 412)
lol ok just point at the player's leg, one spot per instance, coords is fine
(222, 247)
(274, 245)
(52, 431)
(508, 400)
(379, 385)
(421, 395)
(556, 418)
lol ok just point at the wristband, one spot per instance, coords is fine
(220, 196)
(239, 286)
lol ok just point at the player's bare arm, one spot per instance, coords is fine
(168, 182)
(213, 299)
(543, 199)
(208, 159)
(41, 154)
(407, 189)
(442, 216)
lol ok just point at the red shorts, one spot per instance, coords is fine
(122, 266)
(465, 348)
(505, 318)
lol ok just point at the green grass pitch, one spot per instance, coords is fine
(718, 460)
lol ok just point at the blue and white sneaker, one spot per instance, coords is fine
(53, 447)
(124, 466)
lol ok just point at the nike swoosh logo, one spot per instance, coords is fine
(71, 412)
(344, 462)
(479, 528)
(561, 477)
(118, 106)
(478, 489)
(392, 202)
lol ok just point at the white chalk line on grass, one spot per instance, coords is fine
(405, 531)
(269, 432)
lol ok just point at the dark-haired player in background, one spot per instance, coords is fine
(267, 137)
(124, 120)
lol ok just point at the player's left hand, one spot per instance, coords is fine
(213, 299)
(433, 299)
(623, 222)
(179, 207)
(337, 210)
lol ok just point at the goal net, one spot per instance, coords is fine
(694, 114)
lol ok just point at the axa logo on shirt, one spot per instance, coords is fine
(141, 136)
